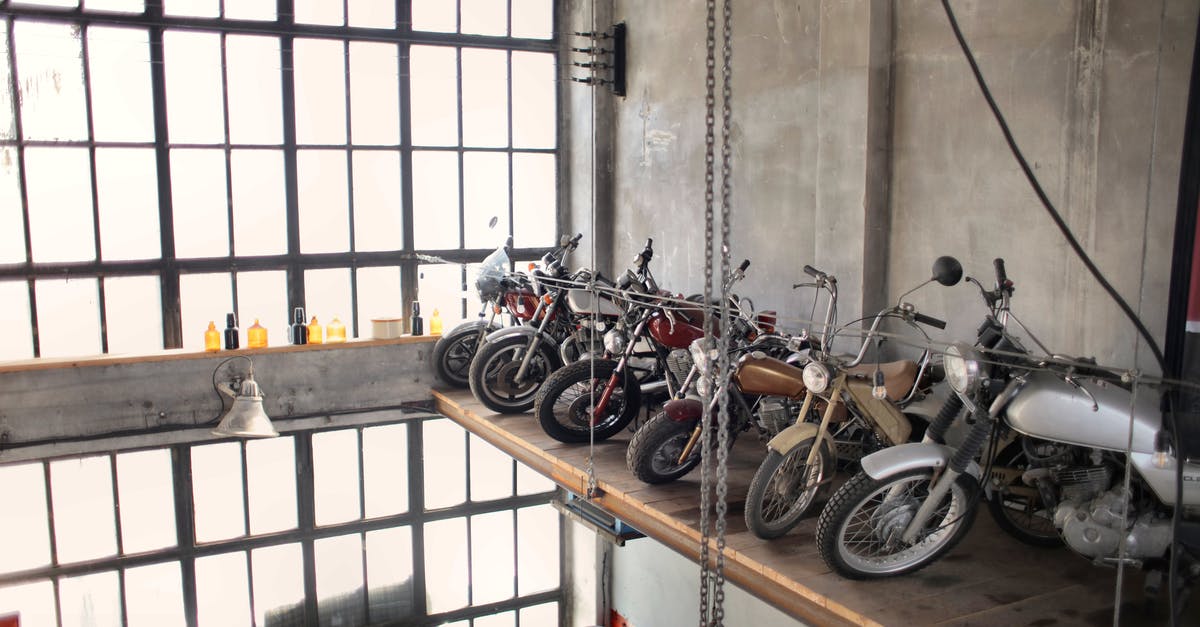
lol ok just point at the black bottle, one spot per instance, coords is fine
(231, 332)
(299, 330)
(418, 325)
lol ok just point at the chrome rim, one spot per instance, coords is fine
(792, 486)
(573, 408)
(665, 460)
(502, 367)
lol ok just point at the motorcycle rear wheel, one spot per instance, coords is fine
(1022, 517)
(563, 404)
(653, 453)
(858, 531)
(496, 363)
(785, 487)
(453, 353)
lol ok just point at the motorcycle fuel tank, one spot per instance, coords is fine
(675, 333)
(769, 376)
(1051, 409)
(581, 301)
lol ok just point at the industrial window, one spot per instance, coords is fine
(165, 162)
(413, 521)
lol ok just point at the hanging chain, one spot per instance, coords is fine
(710, 103)
(592, 489)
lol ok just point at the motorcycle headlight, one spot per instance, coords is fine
(816, 377)
(703, 385)
(615, 342)
(961, 364)
(699, 356)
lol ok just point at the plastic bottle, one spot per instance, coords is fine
(256, 336)
(418, 325)
(299, 329)
(314, 332)
(231, 332)
(212, 337)
(435, 323)
(335, 331)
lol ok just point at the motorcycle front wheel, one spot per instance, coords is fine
(859, 531)
(1018, 509)
(494, 371)
(564, 404)
(453, 353)
(785, 488)
(653, 453)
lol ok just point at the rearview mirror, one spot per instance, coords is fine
(947, 271)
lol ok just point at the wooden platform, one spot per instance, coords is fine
(989, 579)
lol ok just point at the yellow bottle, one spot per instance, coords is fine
(212, 338)
(314, 332)
(335, 331)
(256, 336)
(435, 323)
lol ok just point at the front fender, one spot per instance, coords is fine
(791, 437)
(519, 329)
(684, 409)
(904, 457)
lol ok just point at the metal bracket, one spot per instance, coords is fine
(593, 517)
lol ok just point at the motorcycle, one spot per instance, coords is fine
(911, 504)
(863, 410)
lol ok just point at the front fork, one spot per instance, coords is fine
(519, 378)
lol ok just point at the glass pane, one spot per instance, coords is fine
(492, 563)
(434, 101)
(119, 73)
(204, 298)
(217, 491)
(50, 66)
(434, 15)
(328, 294)
(377, 223)
(115, 6)
(259, 215)
(378, 296)
(58, 182)
(222, 590)
(534, 201)
(537, 549)
(133, 314)
(530, 481)
(193, 8)
(154, 596)
(440, 286)
(335, 476)
(195, 109)
(8, 121)
(374, 95)
(255, 96)
(385, 469)
(389, 574)
(533, 116)
(146, 491)
(18, 342)
(533, 19)
(340, 581)
(91, 600)
(506, 619)
(68, 317)
(12, 220)
(319, 12)
(251, 9)
(485, 96)
(485, 195)
(271, 480)
(435, 199)
(445, 564)
(33, 601)
(278, 585)
(25, 542)
(484, 17)
(544, 615)
(445, 464)
(491, 471)
(201, 205)
(262, 298)
(320, 90)
(127, 191)
(373, 13)
(82, 494)
(324, 218)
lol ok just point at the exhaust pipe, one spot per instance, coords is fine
(654, 386)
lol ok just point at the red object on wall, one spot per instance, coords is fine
(10, 620)
(614, 620)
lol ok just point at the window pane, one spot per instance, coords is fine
(82, 494)
(18, 342)
(533, 19)
(251, 10)
(12, 220)
(434, 15)
(222, 590)
(377, 223)
(262, 298)
(335, 476)
(204, 298)
(374, 96)
(320, 90)
(434, 71)
(50, 66)
(217, 491)
(389, 574)
(271, 479)
(340, 581)
(492, 565)
(485, 97)
(25, 542)
(146, 491)
(534, 121)
(373, 13)
(91, 600)
(445, 564)
(193, 8)
(154, 596)
(201, 208)
(119, 74)
(506, 619)
(534, 200)
(378, 296)
(115, 6)
(255, 96)
(491, 471)
(530, 481)
(319, 12)
(544, 615)
(324, 218)
(484, 17)
(439, 286)
(133, 314)
(195, 109)
(68, 317)
(385, 469)
(33, 601)
(8, 121)
(537, 549)
(259, 215)
(127, 191)
(328, 294)
(58, 182)
(278, 585)
(445, 464)
(435, 199)
(485, 195)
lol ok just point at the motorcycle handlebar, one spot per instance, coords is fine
(813, 272)
(1001, 276)
(929, 320)
(745, 264)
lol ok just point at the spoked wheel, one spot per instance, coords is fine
(653, 454)
(859, 533)
(785, 488)
(1018, 508)
(494, 371)
(564, 404)
(454, 351)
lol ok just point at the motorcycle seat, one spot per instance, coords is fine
(898, 376)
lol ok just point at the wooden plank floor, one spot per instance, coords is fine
(988, 579)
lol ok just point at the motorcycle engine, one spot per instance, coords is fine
(679, 362)
(774, 415)
(1093, 526)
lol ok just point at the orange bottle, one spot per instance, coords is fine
(335, 331)
(212, 338)
(256, 335)
(314, 332)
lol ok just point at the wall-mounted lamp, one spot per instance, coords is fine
(246, 418)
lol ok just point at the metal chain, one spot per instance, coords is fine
(592, 488)
(710, 103)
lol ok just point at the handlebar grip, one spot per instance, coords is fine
(578, 236)
(813, 272)
(649, 242)
(745, 264)
(929, 320)
(1001, 275)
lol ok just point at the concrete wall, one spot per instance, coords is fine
(862, 145)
